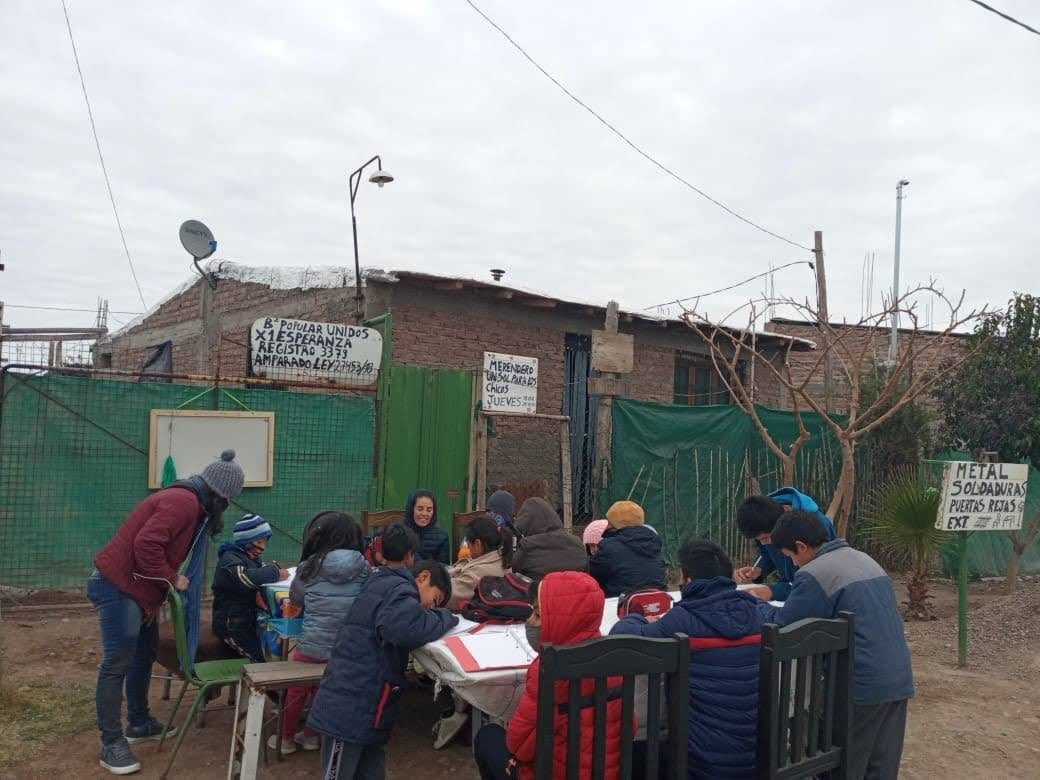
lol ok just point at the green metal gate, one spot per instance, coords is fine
(425, 438)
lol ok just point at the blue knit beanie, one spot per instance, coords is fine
(251, 528)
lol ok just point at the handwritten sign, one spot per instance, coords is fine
(510, 383)
(302, 350)
(982, 496)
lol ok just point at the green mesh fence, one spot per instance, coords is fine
(74, 462)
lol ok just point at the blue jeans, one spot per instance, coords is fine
(129, 648)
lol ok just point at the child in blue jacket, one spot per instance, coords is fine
(396, 612)
(755, 520)
(725, 627)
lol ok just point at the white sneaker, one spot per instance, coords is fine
(307, 741)
(448, 728)
(288, 745)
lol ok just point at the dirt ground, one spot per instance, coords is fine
(980, 722)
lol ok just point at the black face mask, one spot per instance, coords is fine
(534, 636)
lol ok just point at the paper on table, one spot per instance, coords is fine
(287, 581)
(482, 652)
(462, 627)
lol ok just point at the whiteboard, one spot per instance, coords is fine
(196, 438)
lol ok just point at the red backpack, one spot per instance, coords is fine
(505, 599)
(648, 603)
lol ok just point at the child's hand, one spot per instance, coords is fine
(283, 574)
(746, 574)
(181, 583)
(763, 592)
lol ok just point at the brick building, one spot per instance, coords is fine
(443, 323)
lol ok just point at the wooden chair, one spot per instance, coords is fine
(459, 521)
(809, 662)
(615, 656)
(382, 518)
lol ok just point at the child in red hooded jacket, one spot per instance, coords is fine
(568, 610)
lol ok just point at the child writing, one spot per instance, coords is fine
(397, 611)
(329, 579)
(491, 553)
(240, 576)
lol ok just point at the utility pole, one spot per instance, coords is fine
(823, 317)
(893, 344)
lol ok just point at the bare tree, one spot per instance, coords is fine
(851, 358)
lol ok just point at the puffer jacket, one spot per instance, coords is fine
(725, 627)
(359, 693)
(571, 605)
(433, 540)
(545, 546)
(326, 597)
(466, 574)
(628, 559)
(236, 583)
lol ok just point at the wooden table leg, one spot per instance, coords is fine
(254, 732)
(234, 731)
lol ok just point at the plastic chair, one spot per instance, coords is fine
(204, 675)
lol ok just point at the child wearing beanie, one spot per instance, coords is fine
(629, 556)
(239, 577)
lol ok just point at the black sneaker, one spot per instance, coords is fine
(150, 730)
(117, 758)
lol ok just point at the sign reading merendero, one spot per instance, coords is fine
(302, 350)
(982, 496)
(510, 383)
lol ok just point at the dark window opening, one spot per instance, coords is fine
(698, 383)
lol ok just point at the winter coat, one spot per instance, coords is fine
(358, 696)
(628, 559)
(841, 578)
(466, 574)
(771, 557)
(326, 597)
(143, 557)
(236, 583)
(433, 540)
(572, 609)
(544, 545)
(724, 626)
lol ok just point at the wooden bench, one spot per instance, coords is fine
(260, 679)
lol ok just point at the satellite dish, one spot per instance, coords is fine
(197, 239)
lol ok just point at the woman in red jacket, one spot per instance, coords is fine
(569, 609)
(131, 576)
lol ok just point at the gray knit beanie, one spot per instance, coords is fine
(224, 477)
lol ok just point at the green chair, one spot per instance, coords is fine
(204, 675)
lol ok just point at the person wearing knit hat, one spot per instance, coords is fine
(501, 506)
(630, 556)
(592, 535)
(240, 576)
(225, 476)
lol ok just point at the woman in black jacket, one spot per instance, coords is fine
(420, 514)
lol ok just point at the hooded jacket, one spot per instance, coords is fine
(628, 559)
(143, 556)
(571, 605)
(236, 583)
(545, 546)
(359, 693)
(771, 557)
(433, 540)
(466, 574)
(840, 578)
(326, 597)
(725, 627)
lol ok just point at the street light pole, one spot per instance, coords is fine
(893, 344)
(380, 177)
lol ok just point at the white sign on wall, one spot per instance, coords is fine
(510, 383)
(298, 349)
(982, 496)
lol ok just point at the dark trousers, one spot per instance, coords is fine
(877, 740)
(128, 650)
(491, 754)
(345, 761)
(245, 641)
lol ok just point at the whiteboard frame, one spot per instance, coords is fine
(153, 439)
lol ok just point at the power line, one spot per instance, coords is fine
(1011, 19)
(62, 308)
(681, 301)
(101, 157)
(626, 139)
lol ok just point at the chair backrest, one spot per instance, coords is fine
(627, 657)
(538, 488)
(382, 518)
(179, 627)
(459, 521)
(805, 695)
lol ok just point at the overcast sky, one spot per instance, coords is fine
(801, 114)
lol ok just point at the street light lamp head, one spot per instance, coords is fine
(381, 177)
(904, 182)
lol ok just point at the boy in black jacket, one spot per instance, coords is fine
(396, 612)
(240, 576)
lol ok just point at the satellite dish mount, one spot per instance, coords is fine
(198, 241)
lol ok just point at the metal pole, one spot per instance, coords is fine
(893, 345)
(359, 297)
(962, 598)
